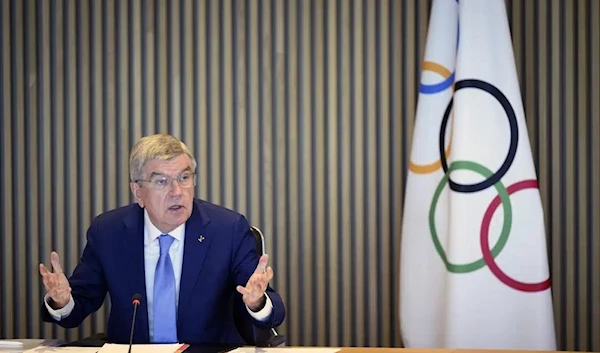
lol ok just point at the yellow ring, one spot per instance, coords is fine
(432, 167)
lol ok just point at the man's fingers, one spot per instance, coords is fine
(47, 282)
(262, 264)
(264, 281)
(259, 281)
(243, 290)
(55, 260)
(269, 273)
(263, 278)
(259, 284)
(57, 288)
(44, 271)
(52, 285)
(49, 279)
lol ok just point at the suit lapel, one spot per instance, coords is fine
(136, 279)
(196, 247)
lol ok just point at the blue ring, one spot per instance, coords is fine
(438, 87)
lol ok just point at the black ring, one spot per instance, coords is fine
(514, 136)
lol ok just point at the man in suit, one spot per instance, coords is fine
(187, 258)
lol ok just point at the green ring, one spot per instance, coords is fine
(506, 225)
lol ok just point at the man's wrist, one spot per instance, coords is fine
(59, 313)
(55, 305)
(259, 305)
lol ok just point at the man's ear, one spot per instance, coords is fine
(135, 190)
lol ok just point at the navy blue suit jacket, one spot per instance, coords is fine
(113, 262)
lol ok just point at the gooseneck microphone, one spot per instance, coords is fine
(135, 301)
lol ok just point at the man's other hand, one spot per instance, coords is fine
(56, 283)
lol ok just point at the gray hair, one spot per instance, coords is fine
(159, 146)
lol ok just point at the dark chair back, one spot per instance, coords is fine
(259, 240)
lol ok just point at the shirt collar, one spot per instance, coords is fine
(151, 232)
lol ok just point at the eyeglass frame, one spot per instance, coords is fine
(170, 181)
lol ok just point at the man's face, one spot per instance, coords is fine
(168, 203)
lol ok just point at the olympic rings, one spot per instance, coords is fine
(514, 136)
(431, 89)
(440, 70)
(491, 179)
(448, 82)
(489, 257)
(502, 195)
(431, 167)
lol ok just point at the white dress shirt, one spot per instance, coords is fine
(151, 255)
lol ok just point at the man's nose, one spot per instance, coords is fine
(175, 187)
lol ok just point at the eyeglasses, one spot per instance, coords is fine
(186, 180)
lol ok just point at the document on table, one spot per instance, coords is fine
(143, 348)
(285, 350)
(46, 349)
(112, 348)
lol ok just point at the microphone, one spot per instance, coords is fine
(135, 301)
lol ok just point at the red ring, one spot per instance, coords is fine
(485, 246)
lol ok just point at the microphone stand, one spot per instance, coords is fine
(136, 302)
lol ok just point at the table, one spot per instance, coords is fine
(440, 350)
(33, 343)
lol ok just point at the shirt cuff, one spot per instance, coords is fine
(263, 313)
(59, 314)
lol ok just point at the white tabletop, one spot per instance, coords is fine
(8, 345)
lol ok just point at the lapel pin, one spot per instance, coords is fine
(201, 238)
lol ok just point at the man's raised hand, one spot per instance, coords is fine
(253, 294)
(56, 283)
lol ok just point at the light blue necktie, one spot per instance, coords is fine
(165, 321)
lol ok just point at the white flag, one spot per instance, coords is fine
(474, 268)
